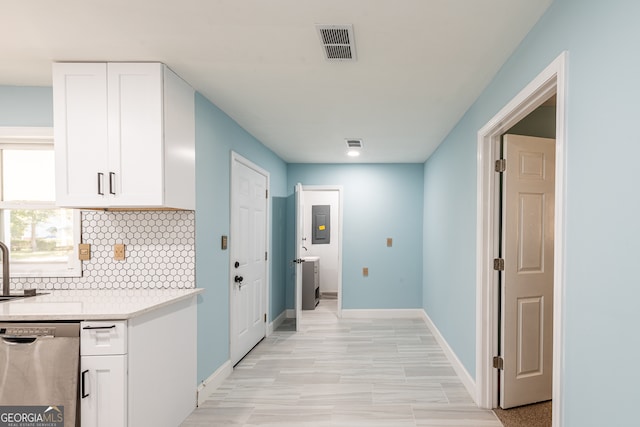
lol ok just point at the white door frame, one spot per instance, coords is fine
(235, 157)
(339, 189)
(551, 80)
(299, 223)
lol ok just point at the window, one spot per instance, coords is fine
(41, 238)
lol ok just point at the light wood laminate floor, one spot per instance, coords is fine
(344, 372)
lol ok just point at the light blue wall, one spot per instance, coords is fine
(26, 106)
(602, 342)
(216, 136)
(380, 201)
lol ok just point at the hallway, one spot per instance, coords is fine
(344, 372)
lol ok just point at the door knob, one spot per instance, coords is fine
(236, 264)
(238, 279)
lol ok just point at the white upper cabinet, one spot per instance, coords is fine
(124, 136)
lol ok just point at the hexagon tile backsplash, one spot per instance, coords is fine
(160, 252)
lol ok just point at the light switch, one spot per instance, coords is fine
(389, 242)
(365, 271)
(84, 251)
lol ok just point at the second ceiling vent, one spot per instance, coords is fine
(338, 42)
(354, 143)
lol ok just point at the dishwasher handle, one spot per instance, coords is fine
(18, 340)
(83, 382)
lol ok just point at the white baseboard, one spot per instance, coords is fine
(402, 313)
(210, 385)
(463, 374)
(276, 322)
(291, 313)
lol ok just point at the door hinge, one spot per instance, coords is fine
(498, 362)
(266, 194)
(498, 264)
(266, 256)
(501, 165)
(265, 318)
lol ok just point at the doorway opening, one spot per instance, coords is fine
(319, 248)
(549, 82)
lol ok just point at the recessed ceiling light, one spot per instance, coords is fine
(353, 153)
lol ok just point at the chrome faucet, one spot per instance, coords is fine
(5, 269)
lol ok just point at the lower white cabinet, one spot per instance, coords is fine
(103, 391)
(103, 373)
(140, 372)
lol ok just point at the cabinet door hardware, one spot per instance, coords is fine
(98, 327)
(100, 179)
(112, 183)
(84, 381)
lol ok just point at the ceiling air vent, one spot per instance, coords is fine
(338, 42)
(354, 143)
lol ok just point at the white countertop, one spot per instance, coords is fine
(116, 304)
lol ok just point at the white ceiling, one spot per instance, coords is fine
(420, 63)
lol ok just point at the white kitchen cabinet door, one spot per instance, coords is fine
(124, 136)
(103, 391)
(80, 133)
(135, 99)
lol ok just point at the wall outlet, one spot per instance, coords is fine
(118, 252)
(365, 271)
(84, 251)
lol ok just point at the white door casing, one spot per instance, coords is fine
(527, 289)
(248, 244)
(299, 243)
(552, 80)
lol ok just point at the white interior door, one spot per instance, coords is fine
(299, 244)
(248, 252)
(527, 287)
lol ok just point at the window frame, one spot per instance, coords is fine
(39, 138)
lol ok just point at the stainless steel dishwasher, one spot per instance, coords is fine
(39, 365)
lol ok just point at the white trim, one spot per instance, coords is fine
(383, 313)
(32, 134)
(457, 365)
(276, 322)
(209, 386)
(340, 190)
(551, 80)
(237, 158)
